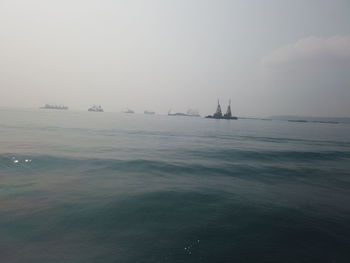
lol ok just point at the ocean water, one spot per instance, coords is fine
(110, 187)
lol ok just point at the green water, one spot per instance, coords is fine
(110, 187)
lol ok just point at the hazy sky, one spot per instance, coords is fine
(269, 57)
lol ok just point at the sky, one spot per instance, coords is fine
(269, 57)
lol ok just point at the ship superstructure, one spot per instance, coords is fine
(218, 113)
(228, 113)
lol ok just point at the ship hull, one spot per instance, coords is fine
(222, 118)
(183, 114)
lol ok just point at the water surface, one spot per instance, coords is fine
(110, 187)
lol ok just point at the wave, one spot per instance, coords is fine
(249, 165)
(188, 158)
(303, 156)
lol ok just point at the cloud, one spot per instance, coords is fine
(310, 76)
(310, 51)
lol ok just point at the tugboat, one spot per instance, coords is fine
(54, 107)
(96, 108)
(218, 113)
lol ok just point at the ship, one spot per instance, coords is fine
(96, 108)
(218, 114)
(190, 113)
(149, 112)
(128, 111)
(54, 107)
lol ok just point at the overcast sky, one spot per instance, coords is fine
(269, 57)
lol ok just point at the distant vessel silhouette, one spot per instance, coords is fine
(218, 113)
(149, 112)
(54, 107)
(190, 113)
(96, 108)
(129, 111)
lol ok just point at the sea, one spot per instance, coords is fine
(86, 187)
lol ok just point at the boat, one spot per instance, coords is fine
(149, 112)
(176, 114)
(96, 108)
(129, 111)
(190, 113)
(218, 113)
(54, 107)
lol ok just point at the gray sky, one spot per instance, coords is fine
(269, 57)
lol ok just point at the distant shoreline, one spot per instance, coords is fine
(292, 118)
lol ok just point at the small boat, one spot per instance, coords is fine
(149, 112)
(96, 108)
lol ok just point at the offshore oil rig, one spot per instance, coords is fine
(218, 113)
